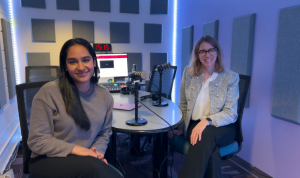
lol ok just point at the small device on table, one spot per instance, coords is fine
(113, 87)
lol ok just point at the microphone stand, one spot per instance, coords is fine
(136, 121)
(159, 103)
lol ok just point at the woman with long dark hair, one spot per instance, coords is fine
(208, 99)
(71, 119)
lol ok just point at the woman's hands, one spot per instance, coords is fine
(176, 132)
(99, 155)
(81, 151)
(197, 131)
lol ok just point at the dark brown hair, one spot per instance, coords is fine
(67, 87)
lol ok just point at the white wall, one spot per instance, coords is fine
(270, 144)
(63, 29)
(9, 119)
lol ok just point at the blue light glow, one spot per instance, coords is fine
(13, 36)
(174, 47)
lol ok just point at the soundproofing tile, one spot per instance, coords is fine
(100, 5)
(242, 46)
(159, 7)
(152, 33)
(119, 32)
(187, 46)
(83, 29)
(38, 59)
(3, 100)
(129, 6)
(286, 95)
(9, 58)
(43, 30)
(157, 59)
(67, 4)
(211, 29)
(34, 3)
(134, 58)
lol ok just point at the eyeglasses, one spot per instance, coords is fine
(210, 51)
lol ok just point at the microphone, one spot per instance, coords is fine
(163, 67)
(138, 75)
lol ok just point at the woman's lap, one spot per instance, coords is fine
(70, 167)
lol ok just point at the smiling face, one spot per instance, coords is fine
(208, 56)
(80, 65)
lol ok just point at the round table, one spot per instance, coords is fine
(155, 125)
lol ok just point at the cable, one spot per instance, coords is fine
(167, 123)
(152, 80)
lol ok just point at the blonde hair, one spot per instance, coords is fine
(195, 64)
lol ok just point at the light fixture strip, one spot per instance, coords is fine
(13, 36)
(174, 47)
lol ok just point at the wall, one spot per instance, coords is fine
(63, 29)
(270, 144)
(9, 120)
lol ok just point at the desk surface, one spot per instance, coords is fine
(171, 114)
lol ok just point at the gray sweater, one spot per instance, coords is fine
(54, 133)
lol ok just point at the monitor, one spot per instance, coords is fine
(112, 65)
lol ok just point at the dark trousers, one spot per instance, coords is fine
(71, 166)
(204, 158)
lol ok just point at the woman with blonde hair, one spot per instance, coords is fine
(208, 98)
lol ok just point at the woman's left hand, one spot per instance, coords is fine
(197, 131)
(100, 155)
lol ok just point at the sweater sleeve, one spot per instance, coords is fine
(102, 139)
(182, 98)
(41, 138)
(228, 114)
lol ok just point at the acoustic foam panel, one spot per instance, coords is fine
(129, 6)
(159, 7)
(3, 100)
(67, 4)
(9, 58)
(187, 46)
(43, 30)
(157, 59)
(286, 95)
(152, 33)
(100, 5)
(119, 32)
(83, 29)
(134, 58)
(38, 59)
(211, 29)
(34, 3)
(242, 46)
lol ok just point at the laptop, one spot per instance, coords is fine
(125, 106)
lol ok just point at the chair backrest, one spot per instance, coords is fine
(25, 94)
(168, 77)
(243, 89)
(41, 73)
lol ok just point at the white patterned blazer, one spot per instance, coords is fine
(223, 97)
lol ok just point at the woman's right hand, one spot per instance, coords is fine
(81, 151)
(176, 132)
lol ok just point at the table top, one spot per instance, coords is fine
(171, 113)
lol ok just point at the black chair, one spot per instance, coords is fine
(25, 94)
(181, 145)
(41, 73)
(168, 77)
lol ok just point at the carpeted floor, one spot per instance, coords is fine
(141, 166)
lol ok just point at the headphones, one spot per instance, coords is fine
(153, 95)
(125, 91)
